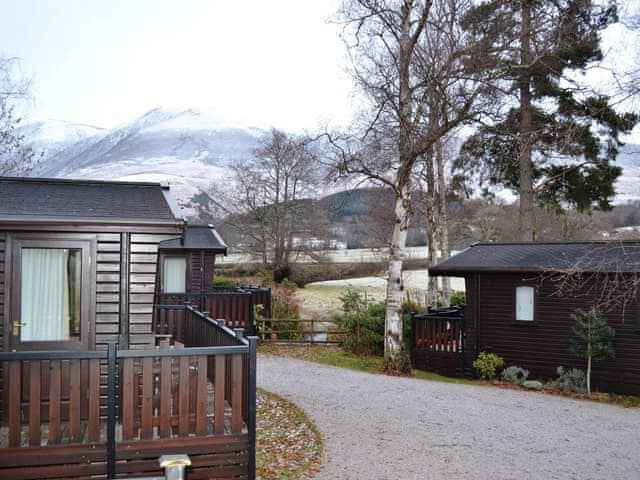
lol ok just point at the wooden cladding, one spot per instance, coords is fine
(542, 346)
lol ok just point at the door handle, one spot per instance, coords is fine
(16, 328)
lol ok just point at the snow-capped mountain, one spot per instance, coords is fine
(628, 184)
(190, 149)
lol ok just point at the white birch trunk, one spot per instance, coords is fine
(395, 289)
(432, 243)
(443, 230)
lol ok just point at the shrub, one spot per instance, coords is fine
(363, 323)
(573, 380)
(285, 310)
(488, 364)
(222, 281)
(458, 299)
(412, 302)
(515, 375)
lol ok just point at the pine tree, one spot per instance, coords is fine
(593, 338)
(554, 141)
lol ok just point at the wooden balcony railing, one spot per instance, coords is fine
(437, 341)
(234, 304)
(82, 413)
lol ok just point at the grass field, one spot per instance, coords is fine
(322, 299)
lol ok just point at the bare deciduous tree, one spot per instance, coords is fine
(606, 278)
(266, 197)
(15, 157)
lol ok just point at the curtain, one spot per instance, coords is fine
(175, 275)
(524, 303)
(47, 294)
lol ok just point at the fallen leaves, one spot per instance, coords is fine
(288, 445)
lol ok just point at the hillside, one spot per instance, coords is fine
(187, 148)
(191, 150)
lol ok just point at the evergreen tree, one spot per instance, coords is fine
(554, 141)
(593, 338)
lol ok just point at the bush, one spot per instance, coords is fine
(412, 303)
(573, 380)
(458, 299)
(488, 364)
(515, 375)
(363, 323)
(284, 311)
(222, 281)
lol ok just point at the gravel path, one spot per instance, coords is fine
(378, 427)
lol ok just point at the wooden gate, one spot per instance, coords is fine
(437, 341)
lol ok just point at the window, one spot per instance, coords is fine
(174, 279)
(525, 303)
(52, 284)
(50, 294)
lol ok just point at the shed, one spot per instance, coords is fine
(519, 303)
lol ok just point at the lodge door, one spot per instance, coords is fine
(50, 294)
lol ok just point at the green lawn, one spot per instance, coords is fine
(335, 356)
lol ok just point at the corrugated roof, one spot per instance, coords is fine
(605, 256)
(36, 198)
(197, 237)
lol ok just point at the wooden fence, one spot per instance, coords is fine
(297, 330)
(437, 341)
(234, 304)
(83, 413)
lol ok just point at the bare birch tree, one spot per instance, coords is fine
(390, 46)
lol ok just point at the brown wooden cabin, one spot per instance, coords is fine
(96, 379)
(515, 307)
(185, 274)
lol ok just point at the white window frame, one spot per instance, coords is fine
(520, 296)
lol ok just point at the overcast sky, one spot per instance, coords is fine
(103, 63)
(256, 62)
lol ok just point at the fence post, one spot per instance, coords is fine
(462, 333)
(251, 408)
(111, 408)
(174, 466)
(239, 333)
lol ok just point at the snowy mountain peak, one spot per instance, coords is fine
(59, 131)
(191, 149)
(164, 118)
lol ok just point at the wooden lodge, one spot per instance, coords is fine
(99, 375)
(519, 305)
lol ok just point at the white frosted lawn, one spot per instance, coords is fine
(322, 299)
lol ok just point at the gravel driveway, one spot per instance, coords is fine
(379, 427)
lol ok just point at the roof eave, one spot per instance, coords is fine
(173, 205)
(26, 220)
(222, 250)
(458, 272)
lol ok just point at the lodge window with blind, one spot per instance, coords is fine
(50, 295)
(525, 303)
(174, 274)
